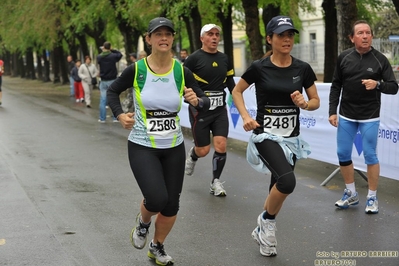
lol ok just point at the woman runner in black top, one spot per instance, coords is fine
(276, 144)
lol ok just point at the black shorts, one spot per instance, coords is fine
(215, 121)
(273, 157)
(159, 174)
(0, 81)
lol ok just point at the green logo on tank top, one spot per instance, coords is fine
(164, 80)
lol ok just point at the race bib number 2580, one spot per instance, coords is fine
(161, 123)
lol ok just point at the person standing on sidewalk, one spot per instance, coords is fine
(213, 72)
(276, 143)
(108, 72)
(77, 84)
(71, 65)
(183, 55)
(361, 75)
(127, 103)
(86, 72)
(156, 144)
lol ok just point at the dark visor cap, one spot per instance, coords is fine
(160, 22)
(280, 24)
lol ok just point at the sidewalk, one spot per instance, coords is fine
(56, 93)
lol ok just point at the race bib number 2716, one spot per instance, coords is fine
(215, 99)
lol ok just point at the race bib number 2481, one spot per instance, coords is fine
(280, 120)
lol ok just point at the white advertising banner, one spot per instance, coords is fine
(321, 136)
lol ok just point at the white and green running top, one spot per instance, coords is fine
(157, 100)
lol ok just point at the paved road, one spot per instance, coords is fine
(67, 197)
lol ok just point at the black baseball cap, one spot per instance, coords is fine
(280, 24)
(160, 22)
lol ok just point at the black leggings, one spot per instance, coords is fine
(159, 174)
(273, 156)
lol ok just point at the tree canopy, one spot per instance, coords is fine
(73, 26)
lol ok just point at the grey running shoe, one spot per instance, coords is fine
(190, 163)
(372, 205)
(267, 233)
(216, 188)
(265, 250)
(347, 199)
(157, 253)
(139, 234)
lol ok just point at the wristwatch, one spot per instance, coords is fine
(378, 85)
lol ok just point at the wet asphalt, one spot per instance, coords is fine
(68, 197)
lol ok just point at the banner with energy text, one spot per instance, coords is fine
(321, 136)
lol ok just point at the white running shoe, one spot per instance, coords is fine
(139, 234)
(347, 199)
(157, 253)
(265, 250)
(268, 229)
(372, 205)
(216, 188)
(190, 163)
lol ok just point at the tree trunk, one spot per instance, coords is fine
(97, 34)
(63, 67)
(14, 65)
(269, 11)
(46, 76)
(252, 28)
(330, 39)
(55, 66)
(84, 47)
(227, 31)
(194, 24)
(73, 49)
(130, 37)
(346, 16)
(7, 63)
(30, 67)
(130, 34)
(39, 66)
(21, 65)
(396, 4)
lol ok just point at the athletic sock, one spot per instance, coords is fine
(372, 193)
(218, 162)
(193, 155)
(266, 215)
(143, 224)
(351, 187)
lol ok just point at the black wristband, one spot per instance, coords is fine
(200, 103)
